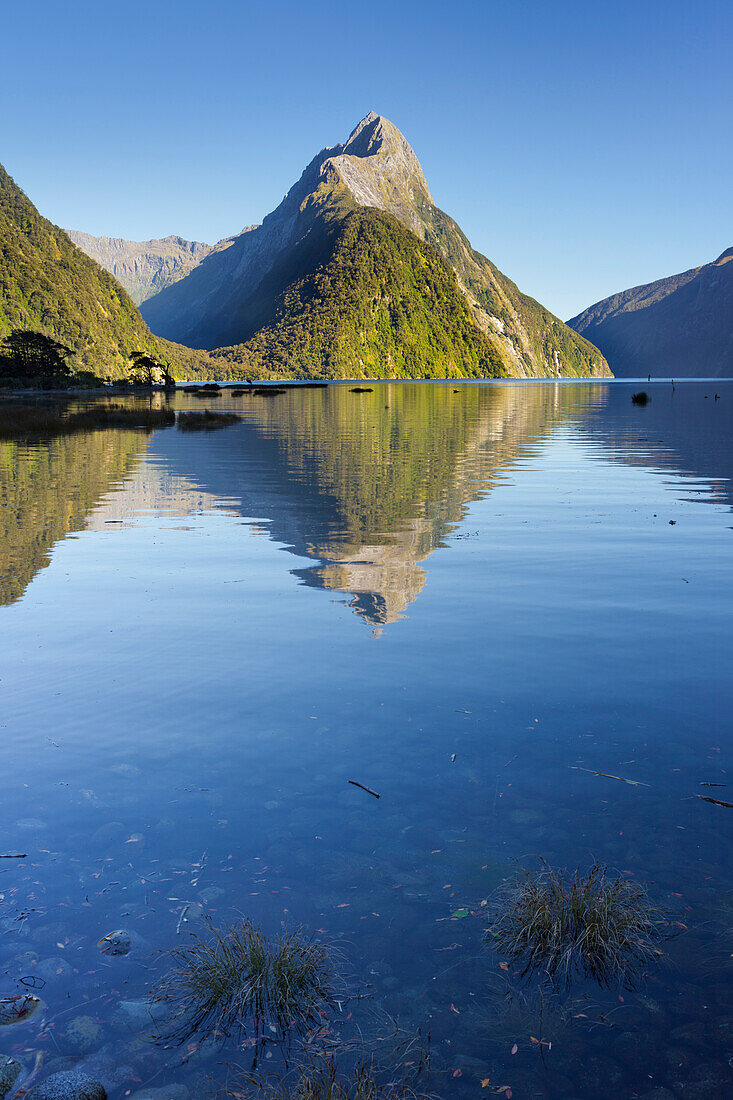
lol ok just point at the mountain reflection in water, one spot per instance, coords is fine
(366, 485)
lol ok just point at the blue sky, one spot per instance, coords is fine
(584, 148)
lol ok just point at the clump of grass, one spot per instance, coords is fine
(239, 979)
(322, 1080)
(591, 924)
(21, 420)
(641, 398)
(206, 420)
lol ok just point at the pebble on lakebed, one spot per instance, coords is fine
(69, 1085)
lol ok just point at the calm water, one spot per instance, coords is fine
(205, 636)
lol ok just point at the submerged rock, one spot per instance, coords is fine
(15, 1009)
(68, 1085)
(9, 1073)
(709, 1081)
(140, 1015)
(84, 1033)
(118, 942)
(166, 1092)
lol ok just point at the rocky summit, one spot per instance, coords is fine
(357, 273)
(145, 267)
(681, 326)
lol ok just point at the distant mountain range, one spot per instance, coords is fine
(357, 273)
(146, 267)
(680, 327)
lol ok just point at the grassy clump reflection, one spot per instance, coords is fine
(20, 420)
(238, 978)
(641, 398)
(206, 420)
(591, 924)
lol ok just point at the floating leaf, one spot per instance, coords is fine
(459, 914)
(515, 1048)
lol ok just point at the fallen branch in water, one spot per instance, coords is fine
(363, 788)
(20, 855)
(607, 775)
(716, 801)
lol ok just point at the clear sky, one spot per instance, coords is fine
(584, 148)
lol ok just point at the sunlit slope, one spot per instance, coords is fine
(327, 274)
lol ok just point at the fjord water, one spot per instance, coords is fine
(206, 635)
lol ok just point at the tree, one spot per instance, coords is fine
(146, 370)
(34, 356)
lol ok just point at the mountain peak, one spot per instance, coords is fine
(379, 167)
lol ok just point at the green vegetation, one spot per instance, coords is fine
(51, 287)
(24, 420)
(238, 978)
(321, 1080)
(147, 370)
(383, 304)
(531, 340)
(34, 356)
(589, 924)
(206, 420)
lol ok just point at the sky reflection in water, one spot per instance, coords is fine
(206, 636)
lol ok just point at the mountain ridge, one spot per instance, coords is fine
(144, 268)
(49, 285)
(681, 325)
(238, 299)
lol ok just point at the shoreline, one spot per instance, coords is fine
(296, 384)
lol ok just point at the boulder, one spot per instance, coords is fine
(9, 1072)
(69, 1085)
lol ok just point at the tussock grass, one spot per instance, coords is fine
(206, 420)
(591, 924)
(641, 398)
(238, 979)
(322, 1080)
(21, 420)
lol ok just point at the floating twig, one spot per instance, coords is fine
(607, 775)
(19, 855)
(181, 919)
(363, 788)
(716, 801)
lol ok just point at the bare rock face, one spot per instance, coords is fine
(146, 267)
(381, 170)
(234, 293)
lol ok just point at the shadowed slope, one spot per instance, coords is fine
(680, 327)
